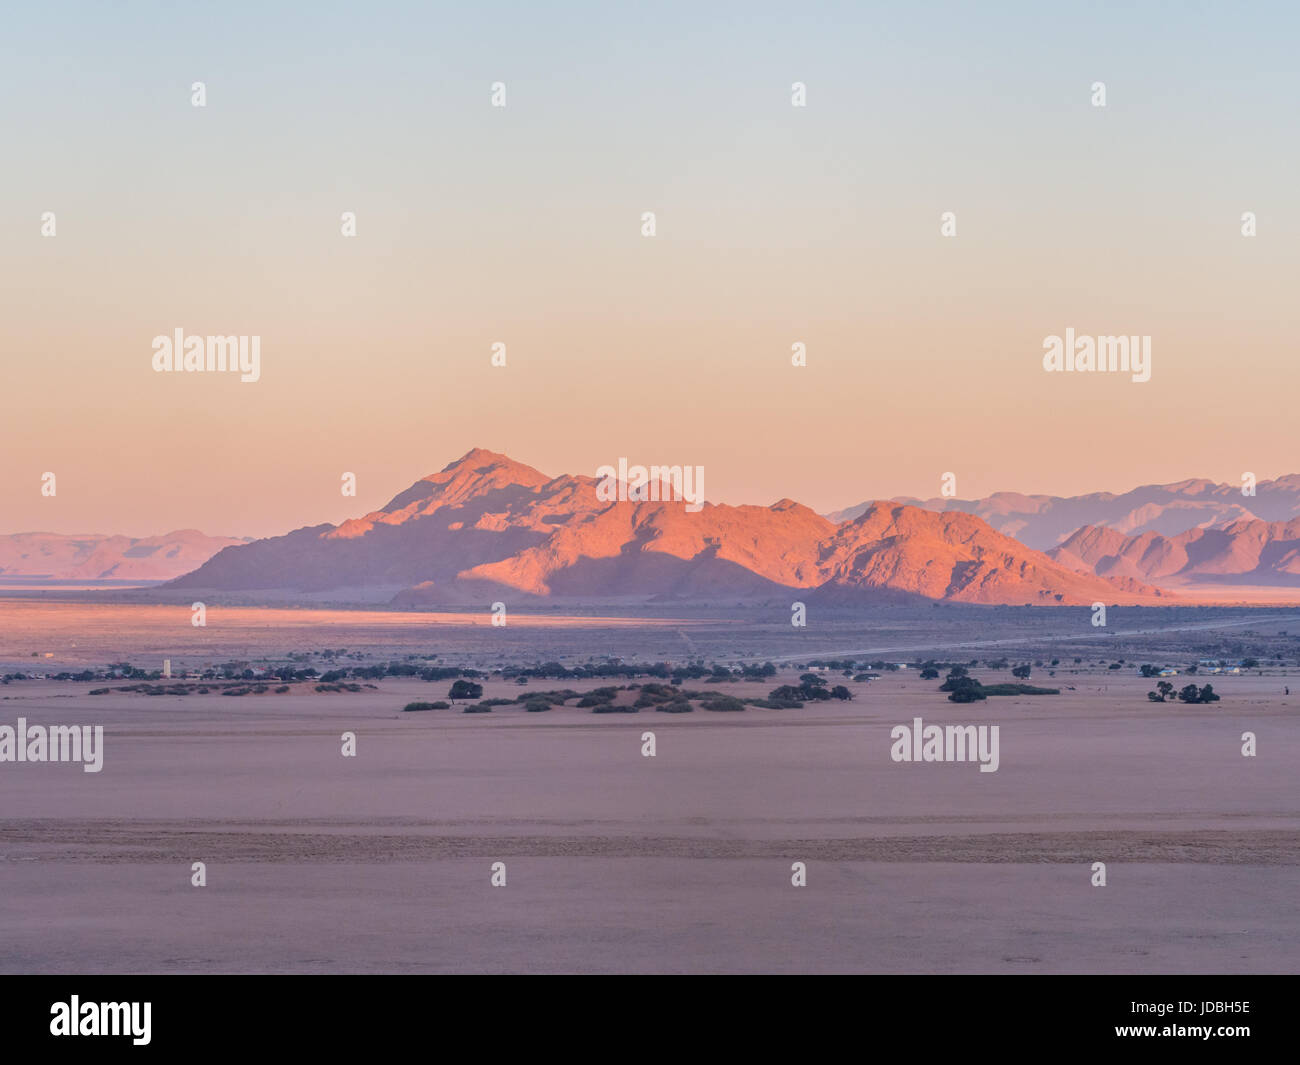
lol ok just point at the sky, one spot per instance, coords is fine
(522, 225)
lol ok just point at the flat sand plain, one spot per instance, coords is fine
(678, 863)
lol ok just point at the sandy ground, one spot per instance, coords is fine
(681, 862)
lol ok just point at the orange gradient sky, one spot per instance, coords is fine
(521, 225)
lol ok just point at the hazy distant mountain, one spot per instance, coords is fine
(1258, 553)
(101, 557)
(487, 527)
(1044, 521)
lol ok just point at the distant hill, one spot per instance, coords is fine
(103, 557)
(1042, 521)
(488, 526)
(1250, 552)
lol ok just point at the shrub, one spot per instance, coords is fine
(1017, 689)
(409, 707)
(723, 703)
(465, 689)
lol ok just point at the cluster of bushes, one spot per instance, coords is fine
(722, 704)
(486, 705)
(667, 697)
(1190, 694)
(411, 707)
(963, 688)
(540, 702)
(712, 674)
(148, 689)
(810, 689)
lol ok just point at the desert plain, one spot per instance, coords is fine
(680, 862)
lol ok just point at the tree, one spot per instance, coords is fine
(1021, 671)
(841, 692)
(929, 674)
(465, 689)
(963, 689)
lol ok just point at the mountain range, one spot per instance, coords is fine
(488, 527)
(104, 557)
(1247, 552)
(1043, 521)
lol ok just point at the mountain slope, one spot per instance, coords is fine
(487, 525)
